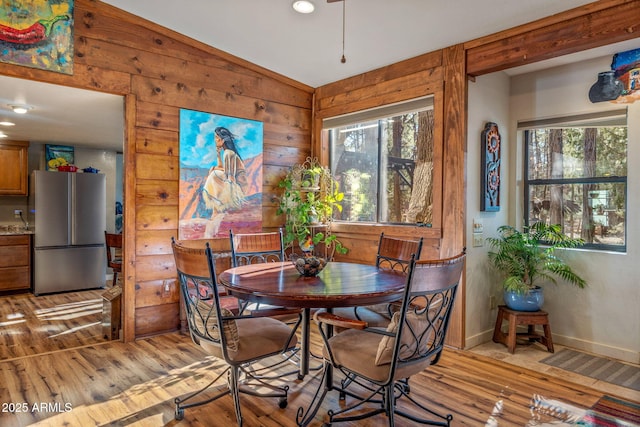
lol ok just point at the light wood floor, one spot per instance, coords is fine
(34, 325)
(134, 384)
(112, 383)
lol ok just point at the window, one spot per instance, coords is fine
(576, 176)
(383, 161)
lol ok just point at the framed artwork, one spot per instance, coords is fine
(38, 34)
(58, 155)
(490, 179)
(626, 67)
(220, 175)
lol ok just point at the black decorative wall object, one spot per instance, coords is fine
(490, 179)
(606, 88)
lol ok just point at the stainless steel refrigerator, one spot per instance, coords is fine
(70, 219)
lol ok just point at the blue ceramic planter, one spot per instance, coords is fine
(530, 301)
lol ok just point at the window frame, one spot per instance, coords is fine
(380, 113)
(527, 183)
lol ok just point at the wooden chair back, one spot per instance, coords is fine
(113, 242)
(256, 248)
(395, 254)
(428, 300)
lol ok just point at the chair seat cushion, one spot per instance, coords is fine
(356, 351)
(257, 337)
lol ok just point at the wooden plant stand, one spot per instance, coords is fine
(528, 318)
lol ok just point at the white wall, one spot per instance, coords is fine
(103, 160)
(604, 318)
(488, 102)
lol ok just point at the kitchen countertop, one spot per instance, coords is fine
(14, 231)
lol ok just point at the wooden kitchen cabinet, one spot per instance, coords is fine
(14, 166)
(15, 262)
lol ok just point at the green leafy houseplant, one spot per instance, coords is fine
(527, 257)
(310, 195)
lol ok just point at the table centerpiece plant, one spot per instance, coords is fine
(310, 196)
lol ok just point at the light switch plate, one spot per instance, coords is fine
(478, 240)
(477, 226)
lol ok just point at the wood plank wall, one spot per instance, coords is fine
(160, 71)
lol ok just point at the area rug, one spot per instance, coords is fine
(600, 368)
(613, 412)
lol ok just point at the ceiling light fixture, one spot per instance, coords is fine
(303, 6)
(20, 109)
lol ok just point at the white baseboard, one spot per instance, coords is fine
(478, 339)
(623, 354)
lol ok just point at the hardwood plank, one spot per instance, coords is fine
(154, 141)
(135, 383)
(401, 89)
(159, 317)
(453, 179)
(153, 217)
(590, 29)
(33, 325)
(115, 383)
(155, 267)
(157, 192)
(156, 167)
(156, 292)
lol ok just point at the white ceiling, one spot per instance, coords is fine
(62, 115)
(306, 48)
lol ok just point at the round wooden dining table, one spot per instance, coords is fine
(340, 284)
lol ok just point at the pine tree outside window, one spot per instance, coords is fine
(576, 176)
(383, 160)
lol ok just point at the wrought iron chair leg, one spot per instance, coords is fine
(234, 374)
(446, 419)
(302, 418)
(181, 404)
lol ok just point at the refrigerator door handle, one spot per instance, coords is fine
(73, 209)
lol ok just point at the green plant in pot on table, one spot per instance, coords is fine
(527, 258)
(310, 196)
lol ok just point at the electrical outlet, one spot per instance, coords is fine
(166, 288)
(492, 302)
(17, 213)
(478, 240)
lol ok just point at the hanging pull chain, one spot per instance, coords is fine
(344, 3)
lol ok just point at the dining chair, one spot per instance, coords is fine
(393, 254)
(113, 243)
(198, 247)
(257, 248)
(253, 248)
(381, 359)
(242, 342)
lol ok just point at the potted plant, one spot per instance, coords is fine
(310, 195)
(527, 258)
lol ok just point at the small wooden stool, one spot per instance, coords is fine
(515, 318)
